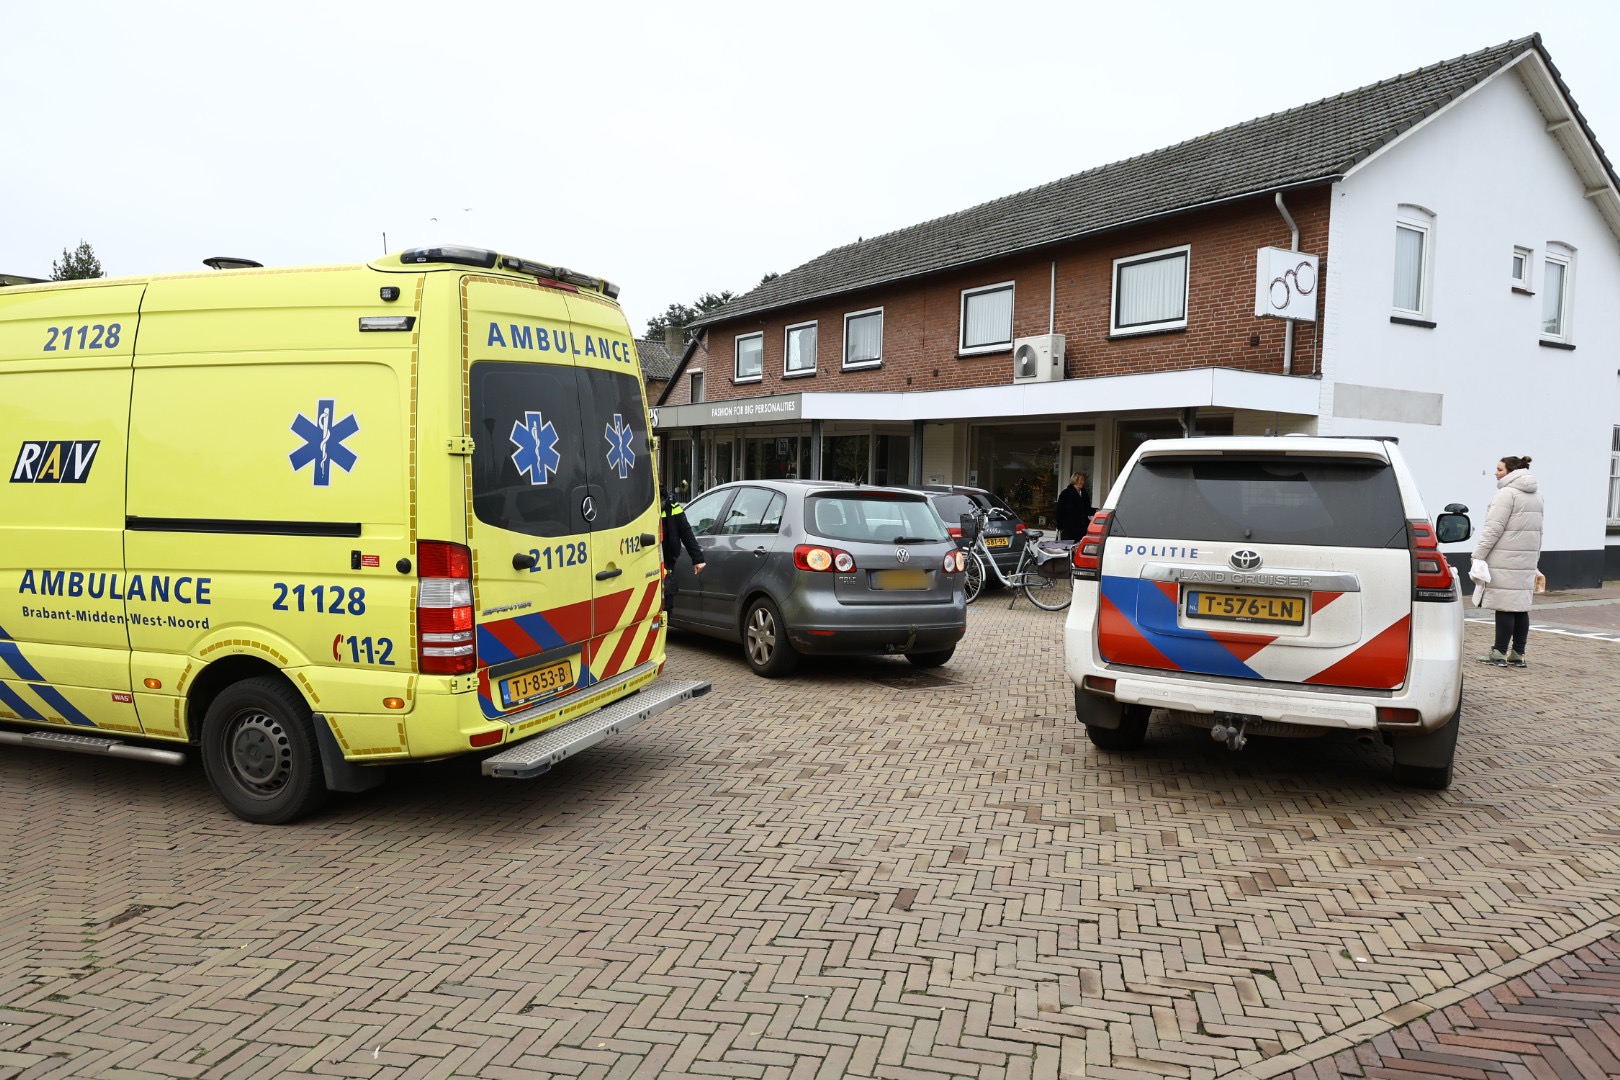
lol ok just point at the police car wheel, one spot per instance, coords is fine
(765, 641)
(1129, 735)
(258, 749)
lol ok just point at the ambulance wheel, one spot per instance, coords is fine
(765, 641)
(258, 749)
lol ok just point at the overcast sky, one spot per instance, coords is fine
(675, 148)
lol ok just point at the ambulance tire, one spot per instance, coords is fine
(765, 641)
(259, 751)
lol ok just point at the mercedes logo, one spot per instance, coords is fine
(902, 555)
(588, 509)
(1245, 559)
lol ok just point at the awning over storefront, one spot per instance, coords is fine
(1224, 388)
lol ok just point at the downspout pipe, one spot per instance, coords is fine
(1293, 245)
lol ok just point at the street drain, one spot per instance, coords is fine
(913, 680)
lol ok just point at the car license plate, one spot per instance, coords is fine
(899, 579)
(998, 541)
(1289, 610)
(539, 683)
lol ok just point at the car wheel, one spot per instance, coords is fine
(259, 752)
(1110, 725)
(973, 579)
(931, 659)
(1424, 761)
(765, 642)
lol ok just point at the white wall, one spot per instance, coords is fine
(1494, 179)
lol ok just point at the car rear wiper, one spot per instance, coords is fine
(914, 539)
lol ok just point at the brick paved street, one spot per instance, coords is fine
(867, 870)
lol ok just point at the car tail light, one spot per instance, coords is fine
(954, 531)
(823, 559)
(1089, 551)
(1020, 527)
(444, 613)
(1432, 577)
(1389, 716)
(1097, 684)
(955, 562)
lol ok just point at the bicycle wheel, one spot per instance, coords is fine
(973, 580)
(1051, 593)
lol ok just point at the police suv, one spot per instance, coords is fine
(1262, 586)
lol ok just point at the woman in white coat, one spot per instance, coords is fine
(1510, 544)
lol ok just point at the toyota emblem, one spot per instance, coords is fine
(902, 555)
(588, 509)
(1246, 559)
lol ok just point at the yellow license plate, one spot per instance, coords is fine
(998, 541)
(532, 685)
(1289, 610)
(899, 579)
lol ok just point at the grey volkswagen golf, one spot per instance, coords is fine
(796, 567)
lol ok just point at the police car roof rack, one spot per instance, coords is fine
(18, 279)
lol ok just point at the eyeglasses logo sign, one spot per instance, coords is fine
(323, 441)
(56, 461)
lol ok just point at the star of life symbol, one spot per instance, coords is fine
(536, 440)
(323, 441)
(620, 456)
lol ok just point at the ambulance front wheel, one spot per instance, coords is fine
(259, 751)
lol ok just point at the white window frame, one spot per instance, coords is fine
(1614, 480)
(1563, 255)
(876, 361)
(1525, 257)
(1002, 345)
(1420, 221)
(1183, 252)
(737, 375)
(787, 350)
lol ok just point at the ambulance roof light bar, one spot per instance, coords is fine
(489, 260)
(451, 253)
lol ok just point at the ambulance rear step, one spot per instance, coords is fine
(89, 744)
(531, 757)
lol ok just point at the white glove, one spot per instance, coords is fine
(1479, 572)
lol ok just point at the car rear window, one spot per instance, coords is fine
(952, 507)
(1323, 502)
(874, 517)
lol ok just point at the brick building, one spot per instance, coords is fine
(1056, 329)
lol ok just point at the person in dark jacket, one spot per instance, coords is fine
(1073, 509)
(677, 534)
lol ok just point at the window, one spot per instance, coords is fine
(697, 386)
(1414, 262)
(750, 358)
(1556, 278)
(799, 350)
(863, 338)
(1521, 268)
(753, 512)
(1150, 291)
(987, 318)
(1614, 479)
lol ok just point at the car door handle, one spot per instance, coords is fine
(523, 561)
(759, 553)
(606, 574)
(648, 539)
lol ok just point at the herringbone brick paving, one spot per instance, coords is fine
(866, 870)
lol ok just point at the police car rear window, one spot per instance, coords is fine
(1328, 502)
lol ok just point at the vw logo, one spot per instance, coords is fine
(1245, 559)
(588, 508)
(902, 555)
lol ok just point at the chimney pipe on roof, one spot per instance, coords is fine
(672, 339)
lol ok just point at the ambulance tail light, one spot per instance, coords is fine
(444, 613)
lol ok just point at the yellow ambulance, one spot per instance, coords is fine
(316, 521)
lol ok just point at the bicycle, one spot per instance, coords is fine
(1045, 570)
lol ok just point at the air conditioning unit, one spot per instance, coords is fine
(1038, 359)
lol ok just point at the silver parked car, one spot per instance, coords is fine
(812, 566)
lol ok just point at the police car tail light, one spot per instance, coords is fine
(1089, 551)
(1432, 579)
(444, 614)
(955, 561)
(821, 559)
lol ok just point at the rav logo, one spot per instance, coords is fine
(55, 462)
(1245, 559)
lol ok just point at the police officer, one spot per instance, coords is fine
(677, 532)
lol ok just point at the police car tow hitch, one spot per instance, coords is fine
(1228, 729)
